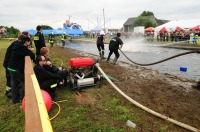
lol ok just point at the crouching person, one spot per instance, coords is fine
(44, 51)
(47, 80)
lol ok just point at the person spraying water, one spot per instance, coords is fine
(115, 44)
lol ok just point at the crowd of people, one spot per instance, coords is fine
(48, 75)
(173, 36)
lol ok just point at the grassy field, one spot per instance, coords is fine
(100, 109)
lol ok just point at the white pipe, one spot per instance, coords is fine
(145, 108)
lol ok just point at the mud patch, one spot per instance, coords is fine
(84, 99)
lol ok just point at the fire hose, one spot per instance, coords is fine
(185, 53)
(144, 107)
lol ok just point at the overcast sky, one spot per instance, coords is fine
(27, 14)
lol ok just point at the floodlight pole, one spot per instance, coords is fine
(69, 17)
(104, 22)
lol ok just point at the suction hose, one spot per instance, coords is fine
(189, 52)
(145, 108)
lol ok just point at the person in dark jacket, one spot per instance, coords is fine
(16, 67)
(51, 39)
(44, 51)
(115, 44)
(47, 80)
(100, 44)
(63, 38)
(6, 61)
(39, 40)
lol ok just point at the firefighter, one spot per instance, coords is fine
(63, 38)
(6, 61)
(52, 68)
(39, 40)
(100, 44)
(16, 67)
(115, 44)
(47, 80)
(51, 39)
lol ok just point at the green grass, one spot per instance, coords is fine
(109, 113)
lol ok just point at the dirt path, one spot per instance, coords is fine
(164, 93)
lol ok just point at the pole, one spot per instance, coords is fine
(104, 22)
(69, 17)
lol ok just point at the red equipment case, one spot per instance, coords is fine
(81, 62)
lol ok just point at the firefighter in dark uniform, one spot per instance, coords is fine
(16, 67)
(51, 39)
(63, 38)
(39, 40)
(47, 80)
(100, 44)
(115, 44)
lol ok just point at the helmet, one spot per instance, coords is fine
(102, 32)
(64, 32)
(51, 32)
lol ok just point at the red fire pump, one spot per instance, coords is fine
(83, 73)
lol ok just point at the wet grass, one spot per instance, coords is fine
(109, 113)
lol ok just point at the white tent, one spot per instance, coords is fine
(185, 24)
(96, 29)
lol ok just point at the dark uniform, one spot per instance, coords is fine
(39, 42)
(5, 64)
(51, 39)
(55, 70)
(113, 47)
(16, 68)
(100, 45)
(63, 37)
(47, 80)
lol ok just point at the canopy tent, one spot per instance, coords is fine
(149, 29)
(179, 29)
(195, 28)
(69, 32)
(185, 24)
(163, 30)
(96, 29)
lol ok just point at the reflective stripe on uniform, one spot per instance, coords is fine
(53, 86)
(63, 37)
(36, 38)
(8, 88)
(13, 70)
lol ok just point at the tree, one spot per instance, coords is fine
(147, 13)
(142, 21)
(46, 27)
(11, 32)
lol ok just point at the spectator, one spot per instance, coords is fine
(16, 67)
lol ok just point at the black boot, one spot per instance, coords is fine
(102, 57)
(100, 54)
(8, 92)
(115, 61)
(197, 86)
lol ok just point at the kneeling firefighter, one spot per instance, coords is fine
(100, 44)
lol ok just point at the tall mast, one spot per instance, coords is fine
(104, 22)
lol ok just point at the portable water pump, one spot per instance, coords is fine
(83, 73)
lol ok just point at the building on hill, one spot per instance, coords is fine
(128, 25)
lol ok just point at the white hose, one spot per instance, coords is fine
(145, 108)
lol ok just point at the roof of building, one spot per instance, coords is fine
(130, 21)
